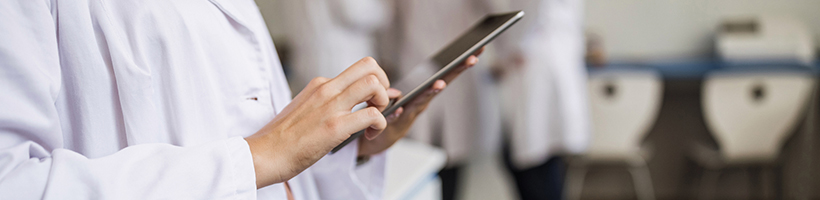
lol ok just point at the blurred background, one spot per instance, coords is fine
(587, 99)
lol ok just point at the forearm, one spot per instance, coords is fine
(148, 171)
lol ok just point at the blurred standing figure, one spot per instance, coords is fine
(453, 122)
(544, 94)
(329, 35)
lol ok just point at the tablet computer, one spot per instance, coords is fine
(447, 59)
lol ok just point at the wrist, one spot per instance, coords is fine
(263, 164)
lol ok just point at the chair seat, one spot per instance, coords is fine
(751, 115)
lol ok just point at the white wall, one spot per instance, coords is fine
(679, 29)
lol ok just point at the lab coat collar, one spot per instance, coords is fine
(233, 12)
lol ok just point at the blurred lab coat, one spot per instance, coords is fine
(147, 100)
(327, 36)
(545, 100)
(454, 120)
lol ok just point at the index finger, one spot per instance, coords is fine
(362, 68)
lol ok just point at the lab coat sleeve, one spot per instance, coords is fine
(338, 177)
(365, 15)
(33, 162)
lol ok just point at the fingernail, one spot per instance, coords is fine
(436, 91)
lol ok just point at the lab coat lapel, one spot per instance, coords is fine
(233, 12)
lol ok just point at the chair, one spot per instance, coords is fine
(750, 115)
(624, 107)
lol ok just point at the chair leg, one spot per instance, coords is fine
(768, 180)
(708, 184)
(575, 182)
(777, 171)
(775, 182)
(643, 182)
(766, 183)
(757, 183)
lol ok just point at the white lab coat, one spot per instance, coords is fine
(454, 119)
(545, 101)
(147, 100)
(327, 36)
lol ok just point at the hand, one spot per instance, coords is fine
(400, 121)
(317, 120)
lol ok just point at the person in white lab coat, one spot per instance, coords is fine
(327, 36)
(544, 96)
(179, 100)
(454, 121)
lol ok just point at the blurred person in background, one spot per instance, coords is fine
(326, 36)
(544, 98)
(455, 120)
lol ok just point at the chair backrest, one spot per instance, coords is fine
(624, 106)
(752, 114)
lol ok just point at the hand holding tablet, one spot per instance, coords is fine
(446, 64)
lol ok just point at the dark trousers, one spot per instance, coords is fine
(449, 181)
(542, 182)
(545, 181)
